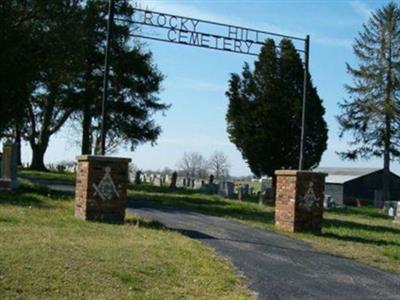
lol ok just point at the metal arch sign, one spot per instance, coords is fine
(198, 33)
(201, 33)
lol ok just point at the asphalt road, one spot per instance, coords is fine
(276, 266)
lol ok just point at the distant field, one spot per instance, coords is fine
(361, 233)
(46, 253)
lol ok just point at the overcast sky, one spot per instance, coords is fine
(196, 78)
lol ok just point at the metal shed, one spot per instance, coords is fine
(351, 185)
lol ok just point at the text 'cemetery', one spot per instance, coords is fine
(189, 31)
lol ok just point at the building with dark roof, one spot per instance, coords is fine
(352, 185)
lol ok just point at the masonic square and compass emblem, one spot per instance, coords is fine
(106, 188)
(310, 198)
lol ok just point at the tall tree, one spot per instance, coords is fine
(17, 67)
(64, 40)
(264, 113)
(134, 82)
(193, 164)
(51, 98)
(372, 112)
(219, 165)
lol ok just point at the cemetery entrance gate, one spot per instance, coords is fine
(163, 27)
(300, 194)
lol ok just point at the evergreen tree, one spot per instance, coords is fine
(372, 112)
(134, 82)
(291, 89)
(264, 113)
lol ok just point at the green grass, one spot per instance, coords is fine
(61, 177)
(360, 233)
(47, 253)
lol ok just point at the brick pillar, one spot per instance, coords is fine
(299, 200)
(101, 188)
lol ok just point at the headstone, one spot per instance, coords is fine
(268, 195)
(329, 202)
(197, 184)
(397, 218)
(299, 200)
(251, 191)
(266, 183)
(390, 206)
(179, 182)
(61, 168)
(240, 193)
(173, 180)
(260, 198)
(211, 179)
(167, 180)
(158, 181)
(138, 179)
(143, 178)
(227, 189)
(391, 212)
(8, 180)
(151, 177)
(221, 188)
(101, 188)
(245, 190)
(210, 188)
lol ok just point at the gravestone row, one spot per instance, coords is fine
(8, 170)
(101, 187)
(226, 189)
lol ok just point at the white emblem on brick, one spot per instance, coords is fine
(106, 188)
(310, 198)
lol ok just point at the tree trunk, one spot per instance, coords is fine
(86, 130)
(97, 145)
(386, 163)
(386, 177)
(388, 119)
(17, 141)
(37, 162)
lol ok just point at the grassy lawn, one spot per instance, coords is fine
(46, 253)
(364, 234)
(61, 177)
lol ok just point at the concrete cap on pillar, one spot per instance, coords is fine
(295, 172)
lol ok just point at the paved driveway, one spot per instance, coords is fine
(277, 267)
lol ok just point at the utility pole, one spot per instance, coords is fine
(110, 22)
(303, 111)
